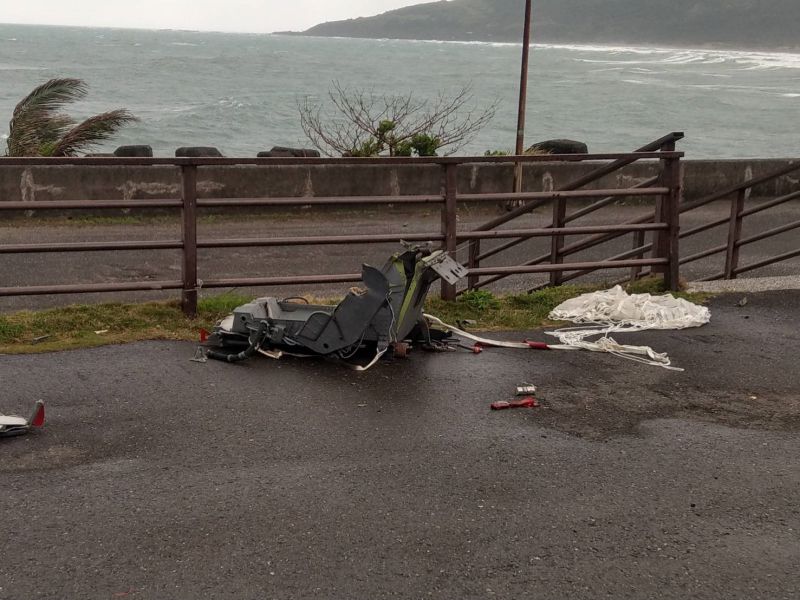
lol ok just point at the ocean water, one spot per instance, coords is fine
(240, 92)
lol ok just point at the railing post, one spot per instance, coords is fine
(189, 236)
(474, 263)
(661, 238)
(557, 241)
(449, 221)
(735, 234)
(638, 242)
(673, 178)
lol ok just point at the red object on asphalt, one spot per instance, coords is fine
(537, 345)
(203, 335)
(477, 349)
(529, 402)
(38, 415)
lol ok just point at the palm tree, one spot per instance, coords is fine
(39, 128)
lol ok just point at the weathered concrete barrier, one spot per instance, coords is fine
(32, 184)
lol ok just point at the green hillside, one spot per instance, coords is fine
(731, 23)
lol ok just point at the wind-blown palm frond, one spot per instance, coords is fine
(52, 96)
(92, 131)
(29, 136)
(39, 128)
(36, 118)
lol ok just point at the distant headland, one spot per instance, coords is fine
(763, 24)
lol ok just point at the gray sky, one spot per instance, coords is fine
(259, 16)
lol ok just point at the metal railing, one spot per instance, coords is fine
(668, 195)
(738, 195)
(664, 222)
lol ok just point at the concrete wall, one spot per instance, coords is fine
(32, 184)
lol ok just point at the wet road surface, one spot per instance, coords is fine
(157, 477)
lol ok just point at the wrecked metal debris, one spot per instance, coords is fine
(12, 426)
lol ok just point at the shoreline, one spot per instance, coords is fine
(563, 44)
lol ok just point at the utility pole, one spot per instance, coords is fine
(523, 95)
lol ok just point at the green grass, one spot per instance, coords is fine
(518, 311)
(86, 326)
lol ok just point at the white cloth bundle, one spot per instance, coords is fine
(614, 311)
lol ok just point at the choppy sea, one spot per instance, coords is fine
(240, 92)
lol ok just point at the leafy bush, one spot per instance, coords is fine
(479, 300)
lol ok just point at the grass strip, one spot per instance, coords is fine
(87, 326)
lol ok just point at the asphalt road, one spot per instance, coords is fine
(104, 267)
(161, 478)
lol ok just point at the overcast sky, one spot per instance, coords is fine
(214, 15)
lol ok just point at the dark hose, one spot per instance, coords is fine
(255, 343)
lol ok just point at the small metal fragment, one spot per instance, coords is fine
(526, 389)
(199, 355)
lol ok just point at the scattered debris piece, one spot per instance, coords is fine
(101, 332)
(199, 355)
(529, 402)
(386, 313)
(402, 349)
(40, 339)
(13, 426)
(742, 302)
(526, 389)
(474, 348)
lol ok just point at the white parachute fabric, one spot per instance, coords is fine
(616, 311)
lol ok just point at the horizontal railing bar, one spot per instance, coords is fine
(554, 231)
(770, 204)
(744, 213)
(593, 175)
(89, 288)
(90, 246)
(596, 240)
(767, 262)
(704, 227)
(622, 256)
(418, 237)
(321, 240)
(605, 202)
(268, 281)
(569, 218)
(792, 166)
(331, 200)
(704, 254)
(298, 161)
(530, 207)
(768, 234)
(578, 246)
(88, 204)
(498, 197)
(594, 266)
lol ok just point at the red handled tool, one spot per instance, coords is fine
(529, 402)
